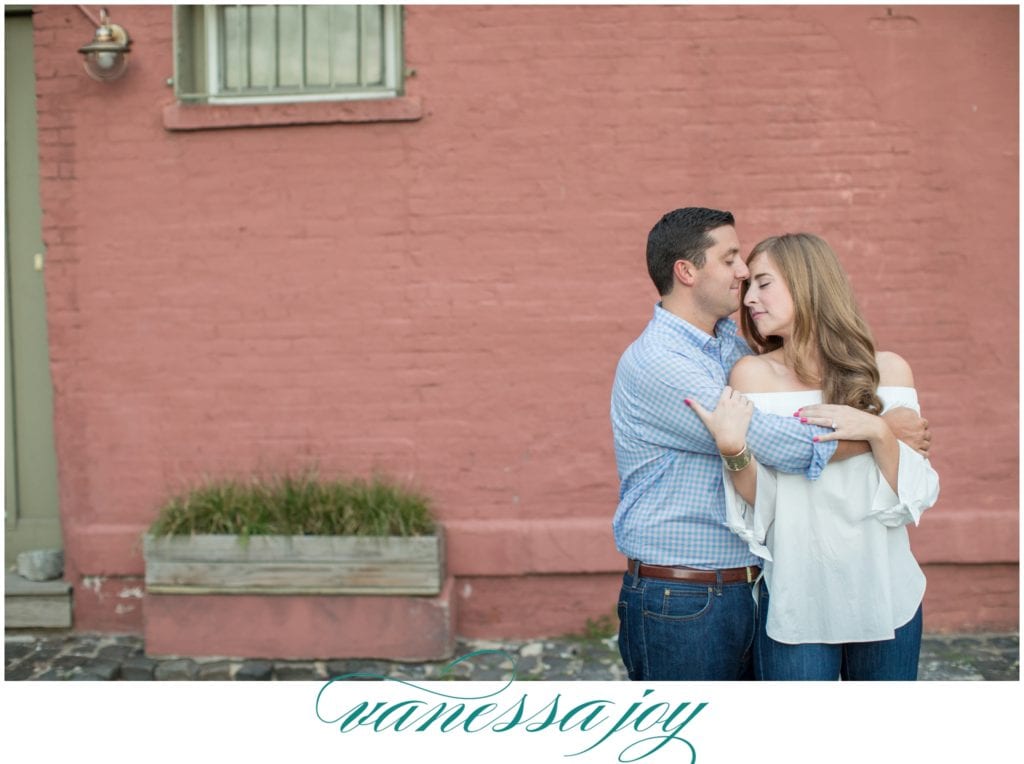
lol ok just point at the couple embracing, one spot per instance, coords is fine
(765, 487)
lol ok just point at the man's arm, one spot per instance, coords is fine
(782, 443)
(852, 423)
(905, 424)
(649, 400)
(909, 427)
(779, 442)
(848, 448)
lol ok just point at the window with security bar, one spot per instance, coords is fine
(274, 53)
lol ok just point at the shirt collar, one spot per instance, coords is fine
(672, 325)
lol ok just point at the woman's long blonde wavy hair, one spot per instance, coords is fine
(827, 325)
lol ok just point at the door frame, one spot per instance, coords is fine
(31, 504)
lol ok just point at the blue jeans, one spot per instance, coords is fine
(887, 660)
(678, 631)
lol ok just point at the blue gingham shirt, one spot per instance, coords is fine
(671, 500)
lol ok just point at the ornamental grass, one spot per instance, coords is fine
(300, 504)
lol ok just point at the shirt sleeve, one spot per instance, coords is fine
(783, 443)
(918, 486)
(916, 481)
(657, 408)
(752, 523)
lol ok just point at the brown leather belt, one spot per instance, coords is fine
(678, 573)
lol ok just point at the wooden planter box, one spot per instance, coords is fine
(299, 597)
(214, 564)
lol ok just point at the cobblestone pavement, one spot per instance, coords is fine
(104, 657)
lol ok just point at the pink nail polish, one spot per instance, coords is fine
(803, 420)
(815, 438)
(687, 401)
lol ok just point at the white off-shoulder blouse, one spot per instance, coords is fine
(837, 556)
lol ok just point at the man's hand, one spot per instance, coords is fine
(904, 423)
(912, 429)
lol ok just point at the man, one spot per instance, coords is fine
(686, 608)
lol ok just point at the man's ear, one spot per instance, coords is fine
(685, 272)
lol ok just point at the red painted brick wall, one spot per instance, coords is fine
(447, 298)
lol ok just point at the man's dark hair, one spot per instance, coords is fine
(681, 235)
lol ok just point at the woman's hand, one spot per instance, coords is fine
(728, 422)
(846, 422)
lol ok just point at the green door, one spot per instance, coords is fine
(30, 462)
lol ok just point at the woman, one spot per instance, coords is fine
(841, 591)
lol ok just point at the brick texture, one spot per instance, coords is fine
(446, 298)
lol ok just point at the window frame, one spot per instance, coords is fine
(204, 65)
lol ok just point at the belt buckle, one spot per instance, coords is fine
(750, 575)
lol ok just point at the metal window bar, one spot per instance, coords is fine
(258, 75)
(359, 44)
(330, 46)
(277, 46)
(380, 48)
(305, 41)
(248, 47)
(222, 55)
(243, 58)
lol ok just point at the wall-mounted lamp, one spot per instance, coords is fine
(106, 56)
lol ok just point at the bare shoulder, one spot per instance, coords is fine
(893, 370)
(753, 374)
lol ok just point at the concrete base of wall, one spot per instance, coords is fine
(110, 604)
(959, 598)
(965, 598)
(535, 606)
(403, 628)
